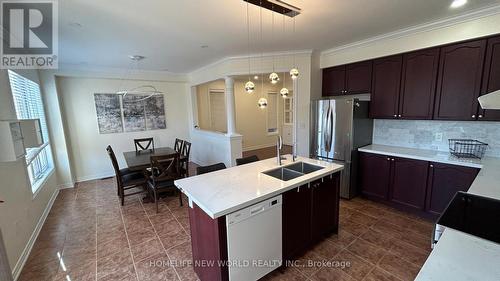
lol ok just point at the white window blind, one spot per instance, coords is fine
(272, 113)
(29, 105)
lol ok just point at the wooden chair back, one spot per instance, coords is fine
(211, 168)
(112, 156)
(186, 149)
(178, 145)
(246, 160)
(165, 167)
(144, 144)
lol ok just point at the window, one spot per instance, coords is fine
(217, 111)
(29, 105)
(272, 113)
(288, 111)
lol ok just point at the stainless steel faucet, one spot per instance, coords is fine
(279, 146)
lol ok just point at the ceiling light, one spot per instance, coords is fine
(75, 24)
(284, 92)
(458, 3)
(249, 87)
(204, 46)
(256, 77)
(274, 78)
(262, 103)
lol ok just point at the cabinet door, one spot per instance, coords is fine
(491, 80)
(385, 87)
(444, 181)
(359, 78)
(418, 84)
(334, 81)
(409, 182)
(459, 81)
(296, 221)
(325, 207)
(374, 172)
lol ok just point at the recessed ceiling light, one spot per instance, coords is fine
(136, 57)
(204, 46)
(458, 3)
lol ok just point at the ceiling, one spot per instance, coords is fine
(97, 33)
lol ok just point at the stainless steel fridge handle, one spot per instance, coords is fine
(327, 133)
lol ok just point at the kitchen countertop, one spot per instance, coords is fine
(457, 255)
(223, 192)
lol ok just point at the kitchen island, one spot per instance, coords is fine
(248, 220)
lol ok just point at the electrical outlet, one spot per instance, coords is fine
(438, 137)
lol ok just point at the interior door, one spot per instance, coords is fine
(217, 103)
(491, 81)
(385, 87)
(418, 84)
(459, 81)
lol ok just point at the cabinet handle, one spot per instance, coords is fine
(432, 166)
(480, 116)
(474, 116)
(388, 159)
(399, 115)
(395, 115)
(392, 159)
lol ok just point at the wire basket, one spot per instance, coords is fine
(464, 148)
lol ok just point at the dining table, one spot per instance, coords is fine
(140, 160)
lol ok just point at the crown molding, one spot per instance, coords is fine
(425, 27)
(253, 56)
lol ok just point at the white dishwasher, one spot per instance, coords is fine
(254, 240)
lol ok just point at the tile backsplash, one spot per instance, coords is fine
(435, 134)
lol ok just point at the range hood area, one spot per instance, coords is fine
(490, 101)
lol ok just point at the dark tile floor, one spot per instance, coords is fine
(89, 236)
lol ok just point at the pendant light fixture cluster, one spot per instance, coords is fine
(274, 78)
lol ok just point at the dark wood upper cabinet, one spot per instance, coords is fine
(296, 221)
(385, 87)
(358, 78)
(418, 84)
(374, 172)
(459, 81)
(491, 78)
(334, 81)
(409, 183)
(444, 181)
(325, 211)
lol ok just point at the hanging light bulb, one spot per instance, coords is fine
(284, 92)
(294, 73)
(262, 103)
(274, 78)
(249, 87)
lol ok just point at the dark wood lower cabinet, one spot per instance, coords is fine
(409, 183)
(444, 182)
(296, 215)
(310, 213)
(421, 187)
(375, 174)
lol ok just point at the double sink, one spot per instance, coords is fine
(292, 171)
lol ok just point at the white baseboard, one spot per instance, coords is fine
(95, 177)
(27, 250)
(66, 185)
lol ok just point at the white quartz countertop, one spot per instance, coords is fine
(457, 256)
(223, 192)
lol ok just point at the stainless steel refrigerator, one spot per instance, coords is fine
(339, 127)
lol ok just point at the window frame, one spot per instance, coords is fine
(40, 155)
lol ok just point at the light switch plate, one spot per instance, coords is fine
(438, 137)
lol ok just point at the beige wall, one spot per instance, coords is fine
(21, 212)
(87, 147)
(251, 121)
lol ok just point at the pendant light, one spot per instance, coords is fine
(294, 72)
(146, 90)
(262, 103)
(284, 91)
(273, 76)
(249, 86)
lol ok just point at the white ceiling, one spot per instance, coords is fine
(170, 33)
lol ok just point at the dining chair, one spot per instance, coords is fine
(144, 144)
(186, 150)
(125, 178)
(246, 160)
(178, 145)
(211, 168)
(165, 170)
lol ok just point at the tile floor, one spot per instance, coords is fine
(89, 236)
